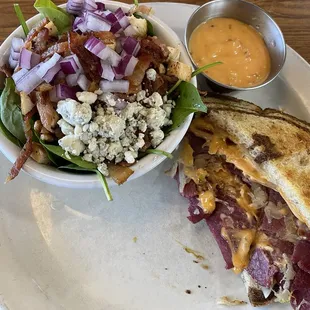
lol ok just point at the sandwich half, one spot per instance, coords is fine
(246, 172)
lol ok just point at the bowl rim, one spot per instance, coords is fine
(235, 88)
(54, 176)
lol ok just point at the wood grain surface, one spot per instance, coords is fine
(293, 16)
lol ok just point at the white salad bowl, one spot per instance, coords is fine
(52, 175)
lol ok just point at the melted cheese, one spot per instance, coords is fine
(234, 155)
(187, 159)
(245, 202)
(207, 201)
(203, 129)
(262, 241)
(186, 153)
(240, 243)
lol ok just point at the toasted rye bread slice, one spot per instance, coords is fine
(284, 116)
(278, 143)
(220, 102)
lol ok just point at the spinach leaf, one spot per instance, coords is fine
(188, 102)
(61, 19)
(55, 153)
(21, 18)
(56, 160)
(77, 160)
(5, 132)
(10, 113)
(150, 28)
(75, 167)
(159, 152)
(8, 135)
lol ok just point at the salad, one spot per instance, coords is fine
(92, 90)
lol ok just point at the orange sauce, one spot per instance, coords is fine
(241, 49)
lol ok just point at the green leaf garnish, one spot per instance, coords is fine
(159, 152)
(77, 163)
(11, 115)
(105, 185)
(188, 102)
(77, 168)
(136, 2)
(194, 73)
(21, 18)
(204, 68)
(174, 87)
(77, 160)
(61, 19)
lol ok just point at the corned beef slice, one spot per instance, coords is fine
(287, 237)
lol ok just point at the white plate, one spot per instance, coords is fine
(67, 249)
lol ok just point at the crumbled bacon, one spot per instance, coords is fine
(34, 31)
(61, 48)
(119, 174)
(137, 77)
(41, 41)
(161, 85)
(20, 161)
(153, 47)
(106, 37)
(48, 115)
(89, 61)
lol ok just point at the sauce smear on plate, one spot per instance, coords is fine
(245, 57)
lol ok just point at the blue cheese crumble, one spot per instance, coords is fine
(103, 128)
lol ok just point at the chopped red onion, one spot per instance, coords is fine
(30, 80)
(28, 59)
(130, 31)
(100, 5)
(122, 18)
(119, 13)
(127, 65)
(59, 76)
(77, 22)
(17, 44)
(13, 63)
(131, 46)
(107, 71)
(50, 68)
(75, 7)
(19, 74)
(116, 27)
(110, 17)
(124, 22)
(115, 86)
(98, 48)
(83, 82)
(51, 73)
(71, 64)
(95, 22)
(15, 55)
(118, 75)
(90, 5)
(123, 53)
(61, 92)
(72, 79)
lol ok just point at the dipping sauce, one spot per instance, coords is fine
(241, 49)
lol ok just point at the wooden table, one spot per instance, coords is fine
(293, 16)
